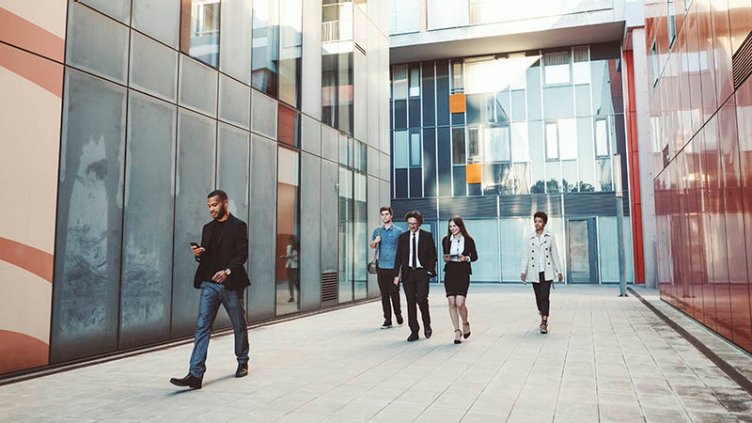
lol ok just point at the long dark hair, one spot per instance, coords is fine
(459, 222)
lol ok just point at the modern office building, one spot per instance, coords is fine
(498, 112)
(700, 58)
(118, 117)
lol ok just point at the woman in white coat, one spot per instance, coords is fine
(540, 260)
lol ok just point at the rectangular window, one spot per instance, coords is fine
(601, 138)
(581, 65)
(414, 90)
(473, 146)
(552, 142)
(556, 68)
(671, 23)
(265, 47)
(458, 146)
(415, 149)
(288, 126)
(399, 82)
(290, 51)
(400, 150)
(457, 78)
(199, 30)
(288, 230)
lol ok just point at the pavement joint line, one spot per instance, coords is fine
(675, 395)
(527, 377)
(118, 355)
(722, 364)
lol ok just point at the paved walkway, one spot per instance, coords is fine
(605, 359)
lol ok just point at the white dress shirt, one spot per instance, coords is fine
(457, 245)
(415, 234)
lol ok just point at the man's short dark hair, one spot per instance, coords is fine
(386, 208)
(218, 193)
(542, 215)
(416, 214)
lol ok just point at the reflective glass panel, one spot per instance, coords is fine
(199, 30)
(288, 232)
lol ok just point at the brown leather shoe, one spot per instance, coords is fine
(190, 381)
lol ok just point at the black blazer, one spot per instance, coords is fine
(232, 254)
(426, 253)
(469, 251)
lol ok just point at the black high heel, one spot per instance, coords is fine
(466, 334)
(458, 339)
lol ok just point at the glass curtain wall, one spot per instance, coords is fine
(277, 49)
(337, 63)
(540, 126)
(353, 222)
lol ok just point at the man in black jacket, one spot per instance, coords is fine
(417, 270)
(222, 279)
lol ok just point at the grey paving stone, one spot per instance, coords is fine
(605, 359)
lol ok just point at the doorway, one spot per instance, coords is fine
(582, 263)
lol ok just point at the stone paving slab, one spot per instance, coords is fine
(605, 359)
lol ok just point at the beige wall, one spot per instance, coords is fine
(31, 80)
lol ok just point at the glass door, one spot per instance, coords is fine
(581, 251)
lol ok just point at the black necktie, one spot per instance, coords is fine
(414, 263)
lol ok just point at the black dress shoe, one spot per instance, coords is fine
(428, 332)
(387, 324)
(242, 370)
(399, 319)
(413, 337)
(190, 381)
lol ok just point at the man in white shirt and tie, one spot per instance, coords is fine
(416, 262)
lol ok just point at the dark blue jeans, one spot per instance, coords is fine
(212, 295)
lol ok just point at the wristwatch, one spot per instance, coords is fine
(227, 272)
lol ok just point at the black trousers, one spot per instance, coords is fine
(416, 291)
(542, 290)
(389, 293)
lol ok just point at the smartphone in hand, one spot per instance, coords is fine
(193, 244)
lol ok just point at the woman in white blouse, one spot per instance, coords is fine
(540, 260)
(459, 251)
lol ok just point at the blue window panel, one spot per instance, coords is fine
(473, 189)
(429, 162)
(400, 183)
(416, 182)
(458, 118)
(400, 114)
(460, 181)
(444, 162)
(429, 96)
(414, 112)
(442, 92)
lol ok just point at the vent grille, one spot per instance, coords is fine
(594, 204)
(468, 207)
(427, 206)
(516, 205)
(329, 288)
(549, 203)
(742, 62)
